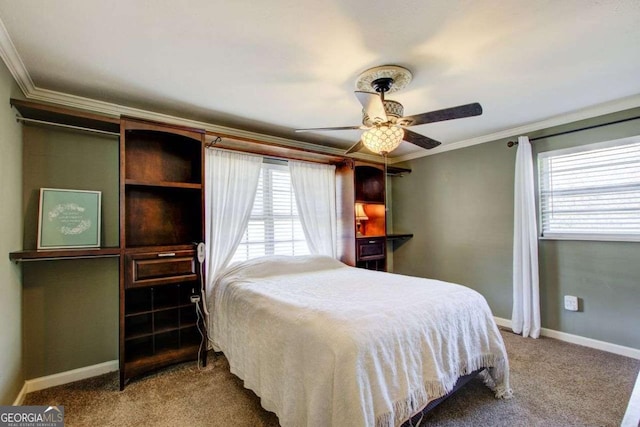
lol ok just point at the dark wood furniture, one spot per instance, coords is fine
(371, 244)
(162, 216)
(60, 254)
(361, 183)
(161, 221)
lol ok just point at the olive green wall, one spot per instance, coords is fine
(459, 205)
(11, 365)
(70, 307)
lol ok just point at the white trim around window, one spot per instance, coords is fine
(591, 192)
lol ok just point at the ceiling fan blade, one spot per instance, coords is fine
(373, 106)
(458, 112)
(420, 140)
(355, 147)
(333, 128)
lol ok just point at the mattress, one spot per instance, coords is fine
(325, 344)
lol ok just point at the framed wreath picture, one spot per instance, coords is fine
(69, 219)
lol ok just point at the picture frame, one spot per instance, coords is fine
(69, 219)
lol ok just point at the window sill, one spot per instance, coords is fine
(589, 237)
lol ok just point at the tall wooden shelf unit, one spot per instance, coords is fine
(161, 220)
(360, 183)
(371, 244)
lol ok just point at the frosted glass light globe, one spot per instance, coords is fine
(383, 139)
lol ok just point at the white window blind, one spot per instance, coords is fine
(274, 226)
(591, 192)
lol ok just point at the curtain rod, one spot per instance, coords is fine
(212, 145)
(104, 132)
(512, 143)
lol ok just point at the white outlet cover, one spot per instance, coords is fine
(571, 303)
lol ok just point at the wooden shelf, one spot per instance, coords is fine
(66, 116)
(166, 184)
(159, 331)
(51, 254)
(399, 236)
(143, 362)
(368, 202)
(140, 313)
(397, 171)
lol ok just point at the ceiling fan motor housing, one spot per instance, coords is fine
(384, 79)
(394, 111)
(384, 119)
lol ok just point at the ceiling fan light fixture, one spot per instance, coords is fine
(383, 139)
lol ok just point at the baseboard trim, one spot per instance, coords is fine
(634, 353)
(65, 378)
(21, 395)
(632, 415)
(112, 365)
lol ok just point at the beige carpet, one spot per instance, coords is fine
(555, 384)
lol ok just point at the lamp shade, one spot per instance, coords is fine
(360, 213)
(383, 139)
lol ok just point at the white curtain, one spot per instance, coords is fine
(525, 318)
(314, 186)
(231, 183)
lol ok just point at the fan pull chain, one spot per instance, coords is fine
(386, 188)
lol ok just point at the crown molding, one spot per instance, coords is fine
(112, 109)
(18, 70)
(14, 63)
(116, 110)
(582, 114)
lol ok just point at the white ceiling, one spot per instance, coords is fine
(274, 66)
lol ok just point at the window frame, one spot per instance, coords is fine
(270, 219)
(541, 157)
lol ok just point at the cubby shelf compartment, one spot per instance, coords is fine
(172, 216)
(158, 156)
(159, 322)
(145, 361)
(369, 184)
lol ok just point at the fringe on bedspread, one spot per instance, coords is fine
(493, 377)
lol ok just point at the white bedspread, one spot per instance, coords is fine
(324, 344)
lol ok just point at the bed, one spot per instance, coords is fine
(325, 344)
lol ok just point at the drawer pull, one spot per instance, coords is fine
(166, 254)
(372, 241)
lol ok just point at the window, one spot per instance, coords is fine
(274, 226)
(591, 192)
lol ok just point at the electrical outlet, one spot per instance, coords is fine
(195, 299)
(570, 303)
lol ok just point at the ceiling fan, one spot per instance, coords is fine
(383, 119)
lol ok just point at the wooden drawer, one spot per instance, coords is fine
(158, 268)
(370, 248)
